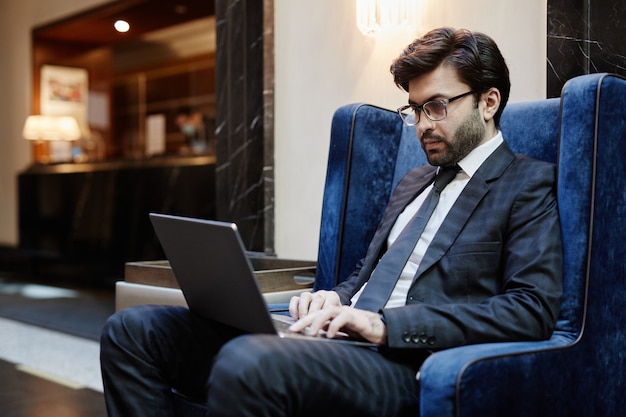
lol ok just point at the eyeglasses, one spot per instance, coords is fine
(435, 110)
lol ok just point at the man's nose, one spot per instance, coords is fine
(424, 125)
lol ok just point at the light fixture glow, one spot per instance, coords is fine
(374, 15)
(121, 26)
(42, 128)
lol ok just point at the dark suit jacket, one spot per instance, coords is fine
(493, 271)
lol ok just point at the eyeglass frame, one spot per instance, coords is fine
(420, 107)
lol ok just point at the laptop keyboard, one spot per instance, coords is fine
(282, 323)
(281, 326)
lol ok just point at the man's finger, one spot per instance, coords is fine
(304, 305)
(294, 302)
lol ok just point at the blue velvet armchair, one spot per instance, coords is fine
(581, 369)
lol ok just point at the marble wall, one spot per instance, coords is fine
(242, 174)
(584, 36)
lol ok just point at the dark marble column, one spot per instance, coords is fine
(584, 36)
(244, 171)
(268, 122)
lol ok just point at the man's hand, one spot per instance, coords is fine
(310, 302)
(335, 319)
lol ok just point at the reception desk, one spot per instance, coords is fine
(91, 218)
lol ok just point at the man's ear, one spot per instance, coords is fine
(491, 103)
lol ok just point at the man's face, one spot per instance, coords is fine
(447, 141)
(182, 119)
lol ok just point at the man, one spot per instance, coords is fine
(197, 128)
(487, 267)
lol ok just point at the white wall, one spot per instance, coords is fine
(17, 18)
(323, 62)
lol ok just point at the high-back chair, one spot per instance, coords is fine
(581, 369)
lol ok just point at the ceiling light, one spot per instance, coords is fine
(121, 26)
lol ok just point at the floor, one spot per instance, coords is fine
(45, 372)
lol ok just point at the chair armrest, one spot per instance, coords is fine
(493, 379)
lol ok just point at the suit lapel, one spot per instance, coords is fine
(461, 211)
(412, 185)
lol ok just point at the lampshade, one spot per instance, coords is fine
(51, 128)
(373, 15)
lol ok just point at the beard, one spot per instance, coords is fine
(467, 136)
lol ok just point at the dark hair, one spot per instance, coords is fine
(184, 110)
(474, 55)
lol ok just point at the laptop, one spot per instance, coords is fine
(212, 268)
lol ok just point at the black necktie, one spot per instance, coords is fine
(384, 278)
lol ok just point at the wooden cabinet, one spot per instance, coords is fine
(92, 218)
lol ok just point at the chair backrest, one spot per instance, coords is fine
(592, 206)
(582, 131)
(371, 150)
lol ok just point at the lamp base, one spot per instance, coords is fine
(41, 152)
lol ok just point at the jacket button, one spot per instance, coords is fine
(406, 337)
(423, 338)
(432, 340)
(415, 338)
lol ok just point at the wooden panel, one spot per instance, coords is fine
(86, 40)
(161, 90)
(94, 27)
(94, 216)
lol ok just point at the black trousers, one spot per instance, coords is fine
(148, 350)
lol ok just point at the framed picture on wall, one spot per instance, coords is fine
(64, 92)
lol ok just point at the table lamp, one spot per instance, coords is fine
(45, 129)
